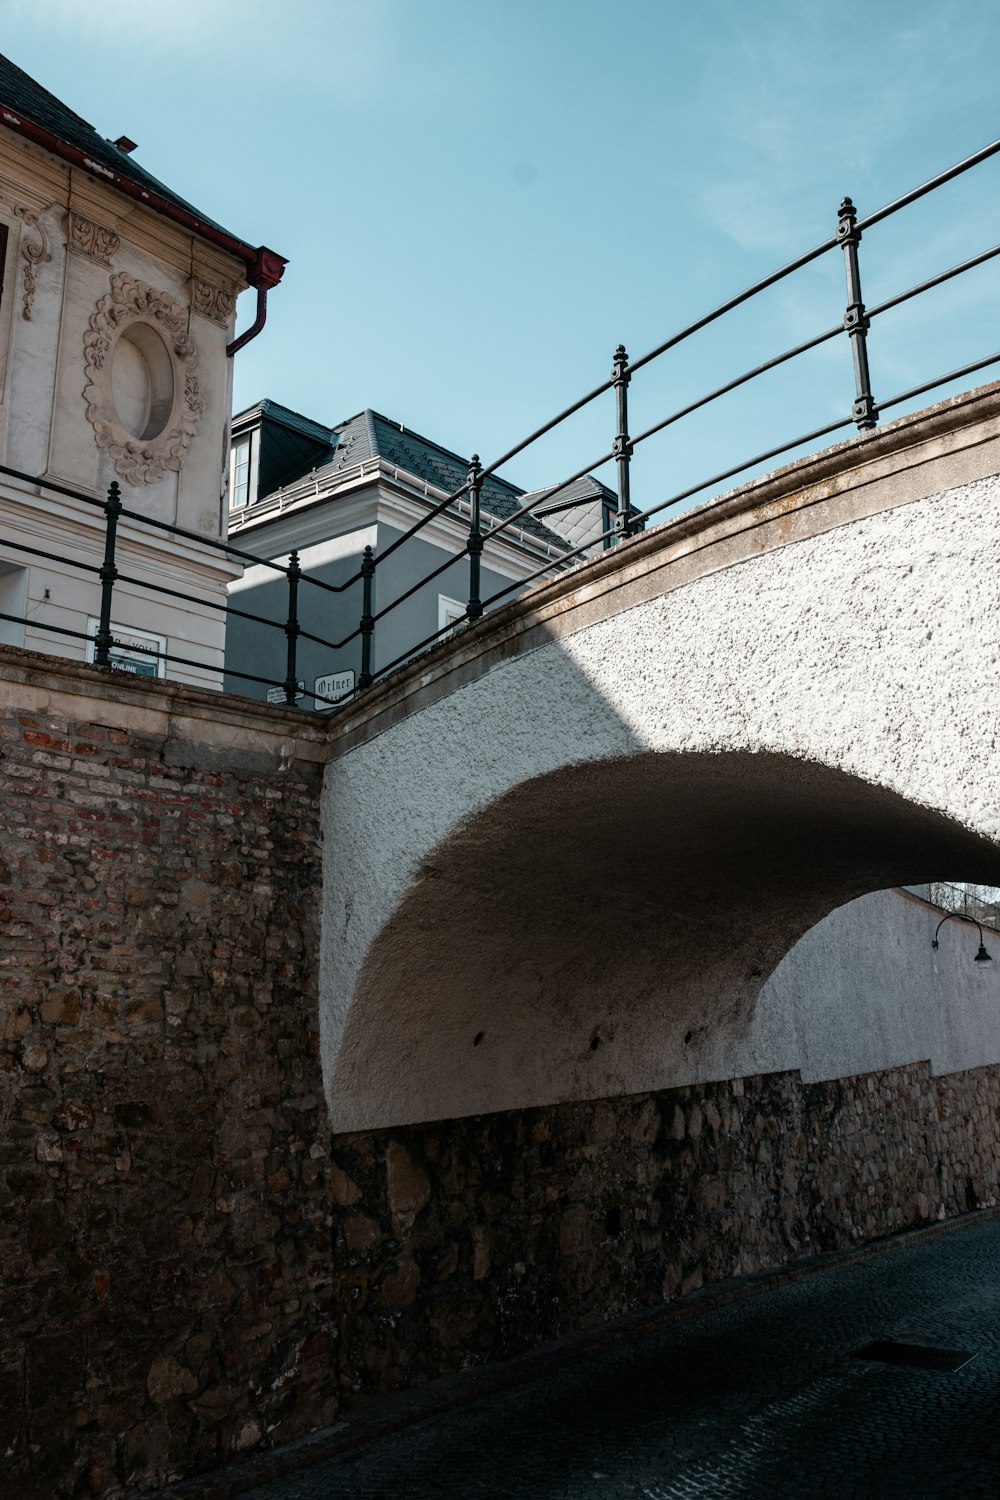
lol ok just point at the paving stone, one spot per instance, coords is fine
(757, 1400)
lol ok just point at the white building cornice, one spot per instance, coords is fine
(374, 491)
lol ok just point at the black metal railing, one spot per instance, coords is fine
(109, 574)
(979, 902)
(482, 530)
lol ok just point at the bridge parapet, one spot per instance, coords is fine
(778, 698)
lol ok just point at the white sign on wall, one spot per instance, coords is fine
(132, 651)
(333, 685)
(277, 694)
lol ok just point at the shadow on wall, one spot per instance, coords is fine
(565, 864)
(608, 929)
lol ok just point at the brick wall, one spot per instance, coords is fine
(192, 1269)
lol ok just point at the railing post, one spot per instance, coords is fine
(104, 640)
(622, 448)
(864, 411)
(367, 619)
(292, 627)
(474, 608)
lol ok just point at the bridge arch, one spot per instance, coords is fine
(589, 835)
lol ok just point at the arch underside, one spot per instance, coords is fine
(608, 928)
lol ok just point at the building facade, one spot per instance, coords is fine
(117, 314)
(331, 492)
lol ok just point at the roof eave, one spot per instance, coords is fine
(264, 267)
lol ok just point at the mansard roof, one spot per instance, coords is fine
(370, 435)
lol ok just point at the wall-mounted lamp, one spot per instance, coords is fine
(982, 957)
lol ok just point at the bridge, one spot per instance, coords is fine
(563, 971)
(586, 1006)
(565, 852)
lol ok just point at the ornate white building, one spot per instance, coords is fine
(117, 312)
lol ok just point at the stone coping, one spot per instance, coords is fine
(383, 1416)
(238, 730)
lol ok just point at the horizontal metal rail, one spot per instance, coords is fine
(933, 281)
(682, 495)
(929, 186)
(59, 557)
(415, 588)
(465, 504)
(732, 385)
(933, 385)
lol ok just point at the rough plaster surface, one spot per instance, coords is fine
(619, 835)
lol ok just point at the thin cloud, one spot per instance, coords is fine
(338, 44)
(776, 137)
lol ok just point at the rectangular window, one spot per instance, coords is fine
(13, 601)
(450, 612)
(241, 472)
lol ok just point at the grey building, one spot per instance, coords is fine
(329, 493)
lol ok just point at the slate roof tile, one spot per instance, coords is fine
(369, 434)
(21, 95)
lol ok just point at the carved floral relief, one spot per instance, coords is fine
(214, 302)
(128, 309)
(33, 255)
(84, 237)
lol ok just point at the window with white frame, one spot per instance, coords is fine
(243, 471)
(450, 612)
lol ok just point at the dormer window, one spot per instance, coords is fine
(243, 471)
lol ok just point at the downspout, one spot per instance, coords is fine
(265, 273)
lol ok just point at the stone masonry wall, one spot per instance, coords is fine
(471, 1239)
(164, 1243)
(191, 1269)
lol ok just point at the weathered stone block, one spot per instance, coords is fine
(407, 1183)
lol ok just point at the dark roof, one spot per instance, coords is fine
(22, 99)
(268, 410)
(566, 497)
(291, 445)
(371, 435)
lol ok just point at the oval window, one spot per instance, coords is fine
(142, 381)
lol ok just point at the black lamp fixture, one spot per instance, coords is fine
(982, 957)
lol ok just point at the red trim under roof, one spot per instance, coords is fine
(264, 267)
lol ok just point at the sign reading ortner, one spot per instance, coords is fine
(333, 685)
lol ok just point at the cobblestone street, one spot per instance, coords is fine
(758, 1399)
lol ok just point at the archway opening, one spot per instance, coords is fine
(637, 904)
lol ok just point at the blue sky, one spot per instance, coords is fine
(480, 198)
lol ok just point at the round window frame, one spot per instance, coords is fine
(128, 304)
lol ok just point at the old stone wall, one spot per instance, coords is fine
(192, 1268)
(470, 1239)
(164, 1249)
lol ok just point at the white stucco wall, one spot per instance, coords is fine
(864, 990)
(853, 663)
(69, 236)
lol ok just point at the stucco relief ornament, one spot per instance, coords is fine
(214, 302)
(84, 237)
(157, 327)
(34, 256)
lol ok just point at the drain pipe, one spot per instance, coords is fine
(266, 272)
